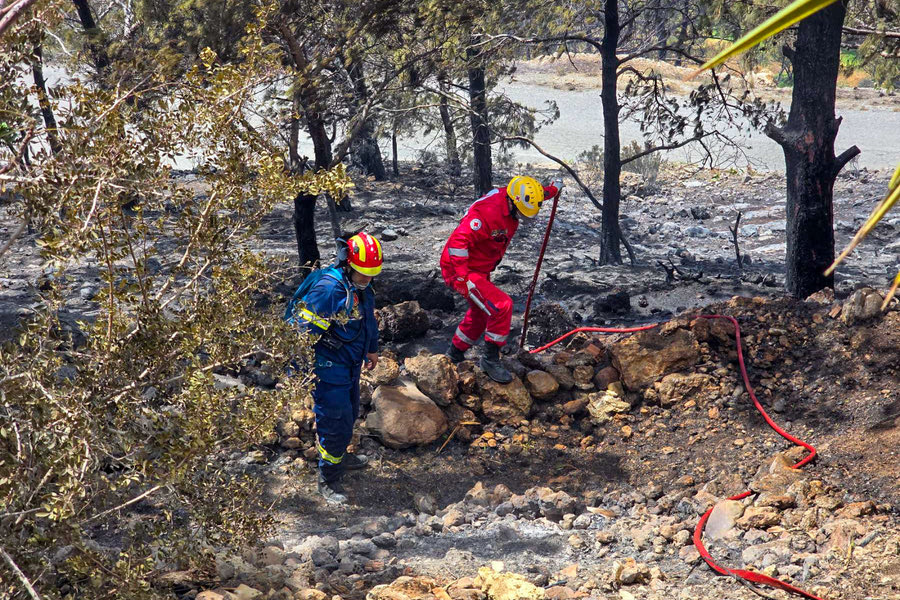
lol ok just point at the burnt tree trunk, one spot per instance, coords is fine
(365, 150)
(808, 144)
(305, 228)
(95, 44)
(610, 251)
(481, 133)
(40, 84)
(394, 162)
(454, 167)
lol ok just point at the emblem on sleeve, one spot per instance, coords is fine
(475, 224)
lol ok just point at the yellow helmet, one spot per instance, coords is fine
(527, 194)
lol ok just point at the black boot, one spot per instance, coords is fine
(490, 364)
(353, 462)
(332, 492)
(455, 354)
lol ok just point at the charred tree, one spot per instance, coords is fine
(364, 149)
(95, 43)
(454, 167)
(481, 133)
(610, 251)
(807, 141)
(40, 84)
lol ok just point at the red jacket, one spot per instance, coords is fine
(478, 243)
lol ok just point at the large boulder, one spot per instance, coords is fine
(644, 358)
(404, 416)
(504, 403)
(541, 385)
(435, 375)
(402, 322)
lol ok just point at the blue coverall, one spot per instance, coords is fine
(336, 394)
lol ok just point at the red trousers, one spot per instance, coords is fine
(490, 313)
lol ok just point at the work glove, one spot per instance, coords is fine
(460, 285)
(558, 184)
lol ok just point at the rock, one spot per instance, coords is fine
(689, 554)
(862, 305)
(404, 588)
(404, 416)
(386, 371)
(402, 322)
(541, 385)
(573, 407)
(630, 572)
(717, 331)
(723, 518)
(616, 303)
(504, 403)
(700, 213)
(271, 555)
(547, 322)
(429, 291)
(759, 517)
(209, 595)
(245, 592)
(507, 586)
(311, 594)
(676, 387)
(453, 518)
(562, 375)
(646, 357)
(603, 405)
(605, 376)
(425, 504)
(435, 375)
(388, 235)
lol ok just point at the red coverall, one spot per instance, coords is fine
(474, 249)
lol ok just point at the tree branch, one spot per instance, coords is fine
(559, 161)
(844, 157)
(866, 31)
(12, 13)
(18, 572)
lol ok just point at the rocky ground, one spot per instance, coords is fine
(586, 476)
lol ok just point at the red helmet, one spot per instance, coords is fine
(364, 255)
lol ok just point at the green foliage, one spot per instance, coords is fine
(124, 409)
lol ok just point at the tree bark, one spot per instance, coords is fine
(610, 251)
(365, 148)
(37, 71)
(305, 228)
(394, 162)
(454, 167)
(808, 144)
(294, 139)
(96, 45)
(481, 133)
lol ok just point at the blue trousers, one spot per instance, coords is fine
(336, 397)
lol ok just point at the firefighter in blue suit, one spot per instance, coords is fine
(340, 307)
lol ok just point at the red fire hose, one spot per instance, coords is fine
(744, 574)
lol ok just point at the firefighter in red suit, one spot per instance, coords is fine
(474, 250)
